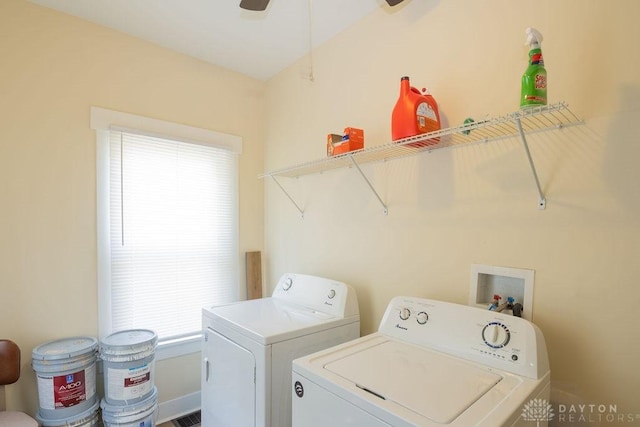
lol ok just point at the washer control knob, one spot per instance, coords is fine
(287, 283)
(422, 317)
(332, 293)
(496, 335)
(405, 313)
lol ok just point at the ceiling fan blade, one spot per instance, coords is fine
(394, 2)
(256, 5)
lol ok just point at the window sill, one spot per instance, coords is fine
(178, 347)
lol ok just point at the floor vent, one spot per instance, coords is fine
(191, 420)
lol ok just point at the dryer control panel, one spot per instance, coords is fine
(317, 293)
(498, 340)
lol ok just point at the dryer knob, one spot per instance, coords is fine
(332, 294)
(405, 313)
(422, 317)
(287, 284)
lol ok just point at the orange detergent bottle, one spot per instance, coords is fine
(415, 113)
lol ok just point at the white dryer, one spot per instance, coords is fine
(431, 363)
(248, 348)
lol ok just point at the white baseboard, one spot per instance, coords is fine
(176, 408)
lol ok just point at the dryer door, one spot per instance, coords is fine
(228, 383)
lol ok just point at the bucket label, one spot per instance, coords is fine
(132, 383)
(64, 391)
(69, 390)
(127, 418)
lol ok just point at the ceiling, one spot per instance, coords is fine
(257, 44)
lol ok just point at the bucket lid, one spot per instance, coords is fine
(66, 348)
(129, 341)
(59, 366)
(110, 411)
(76, 420)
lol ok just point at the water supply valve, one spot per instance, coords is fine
(496, 301)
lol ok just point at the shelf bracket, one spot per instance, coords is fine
(288, 195)
(542, 202)
(385, 210)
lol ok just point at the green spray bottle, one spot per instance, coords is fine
(534, 79)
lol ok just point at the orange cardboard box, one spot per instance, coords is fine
(354, 135)
(337, 144)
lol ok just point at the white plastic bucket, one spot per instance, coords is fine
(128, 365)
(66, 376)
(140, 414)
(88, 418)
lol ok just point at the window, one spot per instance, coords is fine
(167, 227)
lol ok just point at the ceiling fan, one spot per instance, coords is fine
(259, 5)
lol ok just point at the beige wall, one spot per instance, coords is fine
(477, 204)
(53, 67)
(447, 210)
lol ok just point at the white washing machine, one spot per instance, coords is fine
(248, 348)
(431, 363)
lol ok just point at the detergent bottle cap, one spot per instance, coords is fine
(534, 38)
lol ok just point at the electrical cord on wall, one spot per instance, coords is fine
(311, 41)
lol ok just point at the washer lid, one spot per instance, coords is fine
(431, 384)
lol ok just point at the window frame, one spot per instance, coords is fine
(103, 121)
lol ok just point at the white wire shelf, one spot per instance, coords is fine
(519, 123)
(533, 120)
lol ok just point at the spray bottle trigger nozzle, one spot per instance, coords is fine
(534, 37)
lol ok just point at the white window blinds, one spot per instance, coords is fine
(173, 232)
